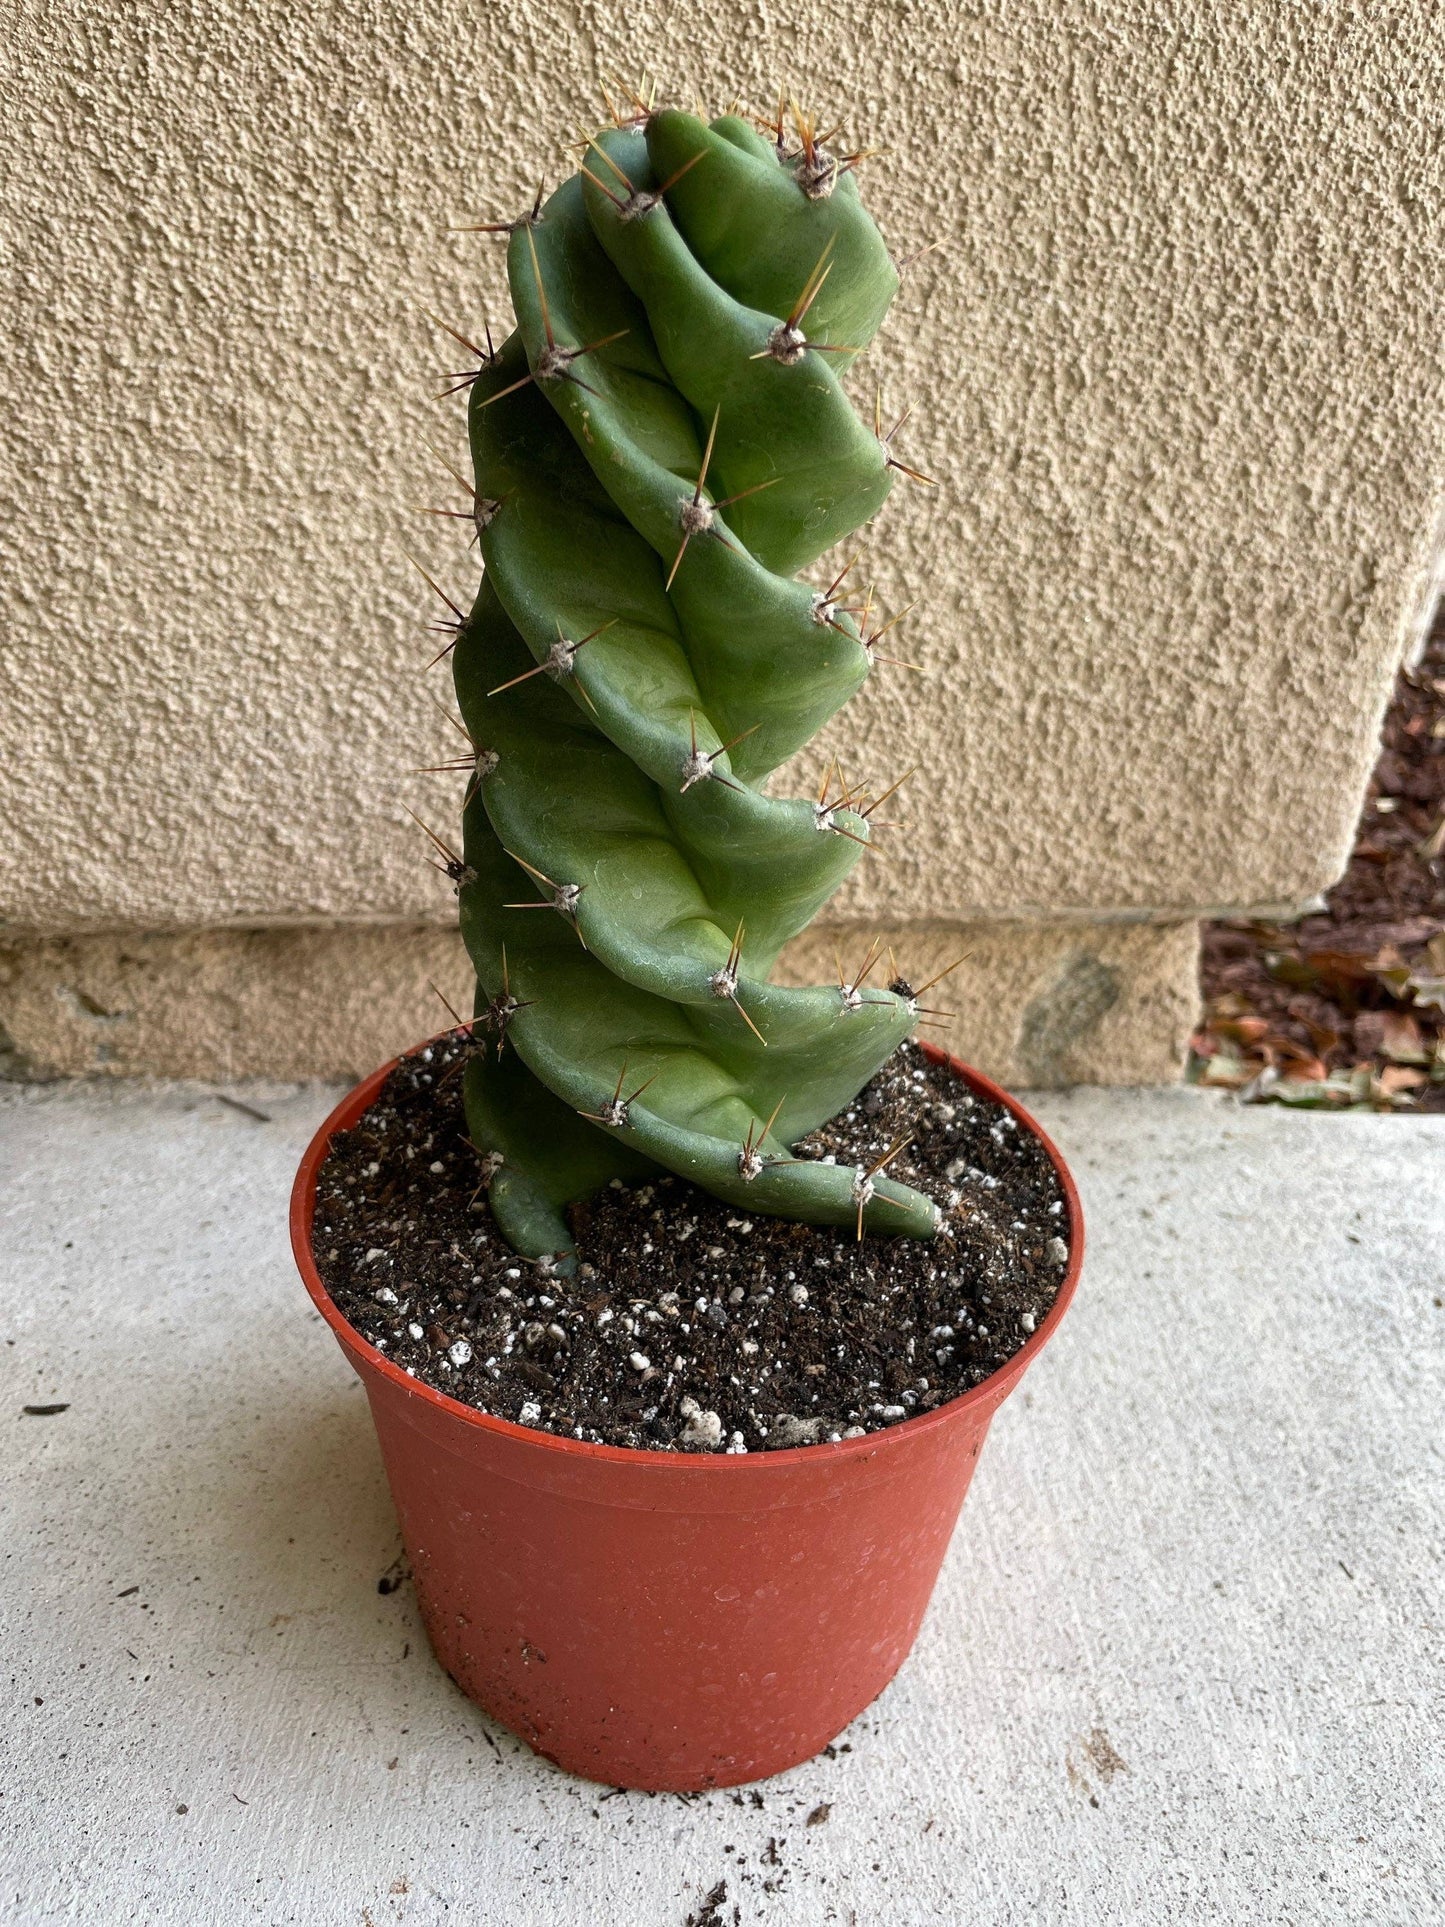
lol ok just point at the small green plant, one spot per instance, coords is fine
(660, 447)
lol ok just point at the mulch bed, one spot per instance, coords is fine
(1346, 1008)
(690, 1325)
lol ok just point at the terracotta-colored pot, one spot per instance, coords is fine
(669, 1620)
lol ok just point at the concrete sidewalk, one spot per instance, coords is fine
(1183, 1664)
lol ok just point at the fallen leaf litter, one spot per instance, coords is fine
(1345, 1008)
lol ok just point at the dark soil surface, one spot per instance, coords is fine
(690, 1325)
(1347, 1007)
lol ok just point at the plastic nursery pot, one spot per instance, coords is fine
(668, 1620)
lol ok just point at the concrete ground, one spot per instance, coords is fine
(1183, 1663)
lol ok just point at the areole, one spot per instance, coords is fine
(670, 1620)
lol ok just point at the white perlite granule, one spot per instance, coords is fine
(701, 1429)
(787, 1430)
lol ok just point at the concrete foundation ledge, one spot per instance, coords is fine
(1037, 1005)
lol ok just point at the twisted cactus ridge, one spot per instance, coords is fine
(659, 448)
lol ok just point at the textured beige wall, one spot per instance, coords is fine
(1178, 372)
(1055, 1005)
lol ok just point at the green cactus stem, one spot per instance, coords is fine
(660, 447)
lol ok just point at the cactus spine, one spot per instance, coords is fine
(660, 446)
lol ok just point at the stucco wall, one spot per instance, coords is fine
(1177, 372)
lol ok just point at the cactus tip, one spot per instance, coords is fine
(699, 764)
(502, 1008)
(890, 459)
(850, 989)
(559, 662)
(750, 1157)
(864, 1185)
(532, 218)
(565, 897)
(617, 1109)
(452, 866)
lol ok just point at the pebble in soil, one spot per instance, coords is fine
(689, 1325)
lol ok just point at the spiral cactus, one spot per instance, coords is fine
(659, 447)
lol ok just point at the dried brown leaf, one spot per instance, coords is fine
(1402, 1040)
(1396, 1077)
(1305, 1070)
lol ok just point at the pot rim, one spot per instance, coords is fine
(360, 1099)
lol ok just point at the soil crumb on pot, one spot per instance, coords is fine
(689, 1325)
